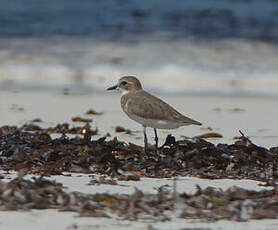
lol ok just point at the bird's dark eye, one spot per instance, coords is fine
(123, 83)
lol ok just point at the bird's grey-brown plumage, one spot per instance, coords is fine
(145, 105)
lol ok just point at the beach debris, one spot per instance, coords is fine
(31, 127)
(210, 135)
(103, 180)
(120, 129)
(17, 108)
(93, 112)
(232, 110)
(210, 204)
(36, 120)
(59, 128)
(236, 110)
(33, 148)
(81, 119)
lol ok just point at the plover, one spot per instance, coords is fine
(147, 109)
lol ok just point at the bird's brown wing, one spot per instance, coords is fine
(145, 105)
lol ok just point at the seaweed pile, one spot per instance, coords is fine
(33, 149)
(211, 204)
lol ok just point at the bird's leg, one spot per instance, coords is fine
(145, 139)
(156, 140)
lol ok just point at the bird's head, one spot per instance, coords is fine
(127, 84)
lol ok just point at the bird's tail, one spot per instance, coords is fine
(190, 121)
(196, 123)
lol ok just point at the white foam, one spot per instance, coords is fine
(173, 78)
(37, 73)
(181, 66)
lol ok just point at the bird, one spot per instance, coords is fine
(147, 109)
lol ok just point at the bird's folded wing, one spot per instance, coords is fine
(146, 109)
(151, 107)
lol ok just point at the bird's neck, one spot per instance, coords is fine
(126, 96)
(124, 92)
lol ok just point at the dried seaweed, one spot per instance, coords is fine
(36, 120)
(210, 204)
(81, 119)
(210, 135)
(120, 129)
(93, 112)
(32, 148)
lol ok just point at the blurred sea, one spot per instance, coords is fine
(226, 47)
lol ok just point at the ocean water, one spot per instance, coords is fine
(225, 47)
(213, 18)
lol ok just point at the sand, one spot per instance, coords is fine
(256, 117)
(51, 219)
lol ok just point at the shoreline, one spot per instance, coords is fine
(22, 107)
(255, 117)
(228, 67)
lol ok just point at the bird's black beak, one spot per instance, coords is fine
(112, 87)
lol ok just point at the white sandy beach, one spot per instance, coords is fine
(254, 116)
(51, 219)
